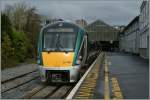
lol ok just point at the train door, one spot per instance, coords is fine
(83, 51)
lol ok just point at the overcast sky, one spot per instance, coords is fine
(113, 12)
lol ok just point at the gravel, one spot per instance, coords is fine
(10, 73)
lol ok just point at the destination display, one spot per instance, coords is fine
(61, 30)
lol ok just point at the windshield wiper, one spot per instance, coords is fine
(58, 44)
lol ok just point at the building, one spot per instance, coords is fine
(129, 38)
(105, 35)
(81, 22)
(144, 30)
(120, 28)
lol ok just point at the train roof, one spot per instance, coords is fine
(64, 22)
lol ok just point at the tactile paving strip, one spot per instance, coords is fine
(86, 91)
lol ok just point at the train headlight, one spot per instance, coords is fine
(79, 60)
(38, 60)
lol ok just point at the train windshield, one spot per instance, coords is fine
(59, 41)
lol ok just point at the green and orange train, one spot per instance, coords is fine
(62, 51)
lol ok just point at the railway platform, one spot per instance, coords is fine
(114, 76)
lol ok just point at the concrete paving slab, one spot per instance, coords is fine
(132, 73)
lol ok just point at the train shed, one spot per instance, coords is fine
(104, 35)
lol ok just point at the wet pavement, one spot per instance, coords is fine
(132, 73)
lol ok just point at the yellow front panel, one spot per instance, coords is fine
(57, 59)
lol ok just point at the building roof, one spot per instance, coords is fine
(98, 22)
(133, 21)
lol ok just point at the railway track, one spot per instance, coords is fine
(28, 86)
(18, 81)
(48, 92)
(18, 91)
(22, 75)
(16, 72)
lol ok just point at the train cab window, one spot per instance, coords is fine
(60, 41)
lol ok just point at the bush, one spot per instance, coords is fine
(7, 52)
(21, 45)
(6, 27)
(15, 45)
(18, 44)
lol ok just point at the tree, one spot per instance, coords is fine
(25, 19)
(33, 27)
(7, 49)
(6, 26)
(18, 15)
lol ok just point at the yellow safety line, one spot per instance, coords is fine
(87, 83)
(87, 89)
(116, 89)
(106, 84)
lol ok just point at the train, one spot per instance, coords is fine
(62, 51)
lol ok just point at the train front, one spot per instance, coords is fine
(58, 47)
